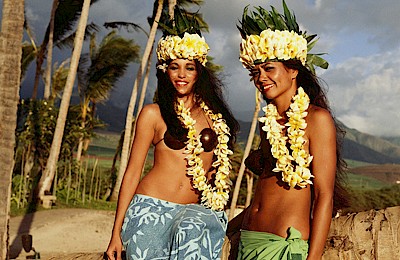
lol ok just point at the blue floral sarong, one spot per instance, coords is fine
(158, 229)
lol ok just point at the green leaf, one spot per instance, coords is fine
(290, 20)
(310, 44)
(316, 60)
(260, 22)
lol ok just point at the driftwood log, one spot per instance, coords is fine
(365, 235)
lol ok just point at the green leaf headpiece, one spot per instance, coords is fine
(269, 35)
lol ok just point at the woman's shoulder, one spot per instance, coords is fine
(150, 114)
(318, 113)
(319, 118)
(150, 110)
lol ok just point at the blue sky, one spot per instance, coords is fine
(361, 38)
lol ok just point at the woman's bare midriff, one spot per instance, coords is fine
(167, 180)
(275, 209)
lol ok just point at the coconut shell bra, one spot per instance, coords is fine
(208, 140)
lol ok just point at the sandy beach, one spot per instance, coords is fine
(62, 234)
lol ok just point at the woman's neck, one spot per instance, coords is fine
(188, 100)
(283, 102)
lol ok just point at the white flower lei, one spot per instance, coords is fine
(215, 197)
(298, 174)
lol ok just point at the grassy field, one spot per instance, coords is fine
(361, 182)
(104, 144)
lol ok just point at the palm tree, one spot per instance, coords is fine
(47, 81)
(49, 172)
(12, 27)
(108, 63)
(65, 16)
(245, 154)
(29, 51)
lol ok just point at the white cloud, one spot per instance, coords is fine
(365, 93)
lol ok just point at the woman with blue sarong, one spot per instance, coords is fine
(299, 162)
(176, 211)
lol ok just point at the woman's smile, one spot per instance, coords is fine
(183, 75)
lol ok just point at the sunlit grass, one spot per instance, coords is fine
(360, 182)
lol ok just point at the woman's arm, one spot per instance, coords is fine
(322, 136)
(144, 134)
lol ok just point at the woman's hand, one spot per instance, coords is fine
(114, 250)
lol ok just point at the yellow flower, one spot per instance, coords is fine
(190, 46)
(297, 174)
(270, 45)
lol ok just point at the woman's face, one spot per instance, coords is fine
(273, 79)
(183, 75)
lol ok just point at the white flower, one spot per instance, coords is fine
(163, 67)
(215, 197)
(298, 174)
(271, 45)
(190, 46)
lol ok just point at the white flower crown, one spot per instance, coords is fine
(190, 47)
(272, 45)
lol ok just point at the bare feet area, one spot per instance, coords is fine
(62, 234)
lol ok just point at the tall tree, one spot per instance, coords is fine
(47, 81)
(12, 25)
(65, 17)
(245, 154)
(49, 172)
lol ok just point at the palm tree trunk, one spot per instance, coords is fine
(47, 82)
(245, 154)
(142, 94)
(12, 25)
(83, 125)
(249, 178)
(48, 174)
(38, 72)
(171, 7)
(129, 116)
(145, 83)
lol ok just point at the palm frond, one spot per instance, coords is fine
(128, 26)
(68, 41)
(67, 13)
(29, 53)
(108, 64)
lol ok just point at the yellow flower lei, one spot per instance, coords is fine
(298, 174)
(215, 197)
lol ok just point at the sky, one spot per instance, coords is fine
(361, 39)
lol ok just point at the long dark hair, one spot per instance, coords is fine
(208, 88)
(312, 86)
